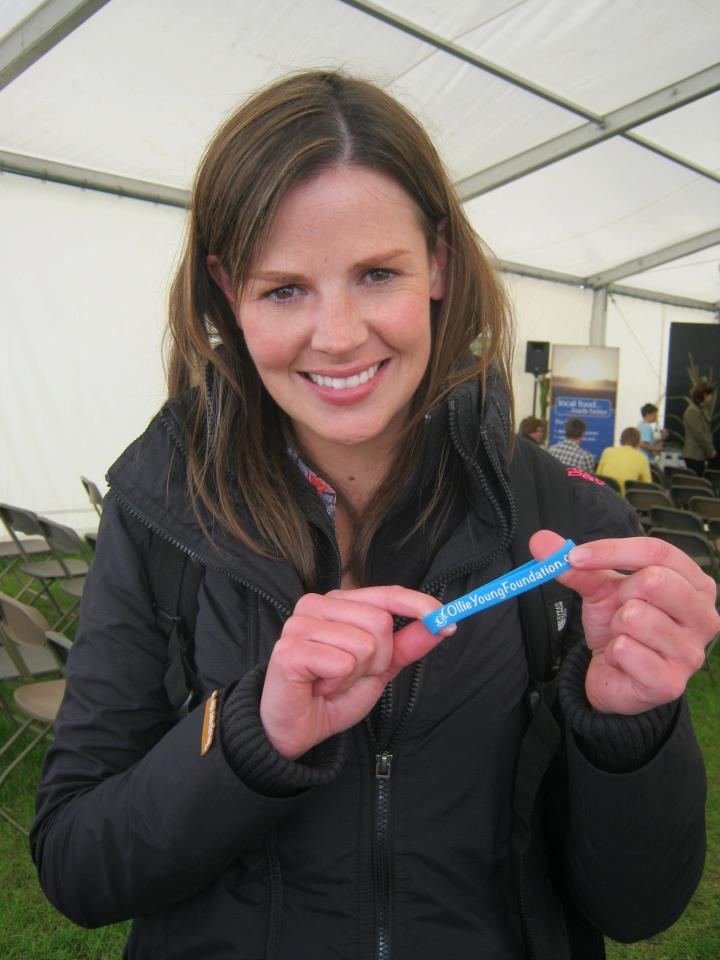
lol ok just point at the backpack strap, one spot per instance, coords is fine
(175, 580)
(535, 627)
(541, 918)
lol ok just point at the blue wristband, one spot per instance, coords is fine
(510, 584)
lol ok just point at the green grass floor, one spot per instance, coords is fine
(30, 929)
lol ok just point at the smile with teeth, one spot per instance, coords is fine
(345, 383)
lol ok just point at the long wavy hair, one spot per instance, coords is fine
(237, 436)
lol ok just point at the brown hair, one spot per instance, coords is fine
(700, 391)
(575, 428)
(238, 437)
(530, 425)
(630, 437)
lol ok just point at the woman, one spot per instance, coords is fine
(698, 447)
(336, 458)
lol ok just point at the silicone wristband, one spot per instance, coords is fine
(510, 584)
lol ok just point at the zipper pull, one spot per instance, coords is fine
(382, 765)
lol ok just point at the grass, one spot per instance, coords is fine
(30, 929)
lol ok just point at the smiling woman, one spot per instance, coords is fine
(324, 158)
(333, 464)
(340, 333)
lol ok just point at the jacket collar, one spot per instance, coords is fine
(149, 480)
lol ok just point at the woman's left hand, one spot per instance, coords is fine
(648, 628)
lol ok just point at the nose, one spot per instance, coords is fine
(339, 327)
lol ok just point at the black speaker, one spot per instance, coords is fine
(537, 357)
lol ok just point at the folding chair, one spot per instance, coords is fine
(63, 541)
(643, 485)
(610, 481)
(671, 471)
(643, 500)
(692, 480)
(713, 527)
(683, 493)
(658, 476)
(696, 545)
(94, 495)
(706, 507)
(714, 477)
(43, 573)
(672, 518)
(19, 548)
(37, 701)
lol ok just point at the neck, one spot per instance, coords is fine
(356, 471)
(357, 478)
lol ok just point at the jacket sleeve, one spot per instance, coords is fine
(634, 838)
(130, 816)
(635, 841)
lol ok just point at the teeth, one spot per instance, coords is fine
(345, 383)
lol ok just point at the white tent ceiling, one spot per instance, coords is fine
(584, 134)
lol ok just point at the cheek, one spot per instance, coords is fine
(410, 329)
(269, 348)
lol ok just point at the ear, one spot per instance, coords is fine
(219, 274)
(438, 265)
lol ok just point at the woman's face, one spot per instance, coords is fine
(336, 311)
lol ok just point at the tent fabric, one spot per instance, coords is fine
(139, 87)
(136, 90)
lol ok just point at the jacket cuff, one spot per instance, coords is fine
(611, 741)
(254, 759)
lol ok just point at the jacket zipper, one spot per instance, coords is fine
(383, 751)
(383, 863)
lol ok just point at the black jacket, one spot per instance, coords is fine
(392, 840)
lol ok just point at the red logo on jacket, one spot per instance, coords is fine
(576, 472)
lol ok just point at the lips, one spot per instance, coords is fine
(344, 383)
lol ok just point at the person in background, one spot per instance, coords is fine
(532, 428)
(650, 444)
(336, 462)
(625, 462)
(569, 451)
(699, 446)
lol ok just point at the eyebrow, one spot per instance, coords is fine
(285, 277)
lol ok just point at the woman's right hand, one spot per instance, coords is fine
(333, 659)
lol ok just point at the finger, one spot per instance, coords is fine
(301, 661)
(365, 690)
(375, 624)
(668, 591)
(399, 601)
(634, 553)
(654, 679)
(413, 642)
(592, 585)
(650, 626)
(370, 655)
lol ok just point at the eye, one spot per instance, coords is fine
(379, 274)
(282, 294)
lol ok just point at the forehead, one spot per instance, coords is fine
(349, 205)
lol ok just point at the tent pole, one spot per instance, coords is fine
(598, 322)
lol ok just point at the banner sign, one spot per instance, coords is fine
(584, 385)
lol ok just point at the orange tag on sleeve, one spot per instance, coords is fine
(209, 723)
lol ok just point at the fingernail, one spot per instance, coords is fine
(449, 630)
(578, 555)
